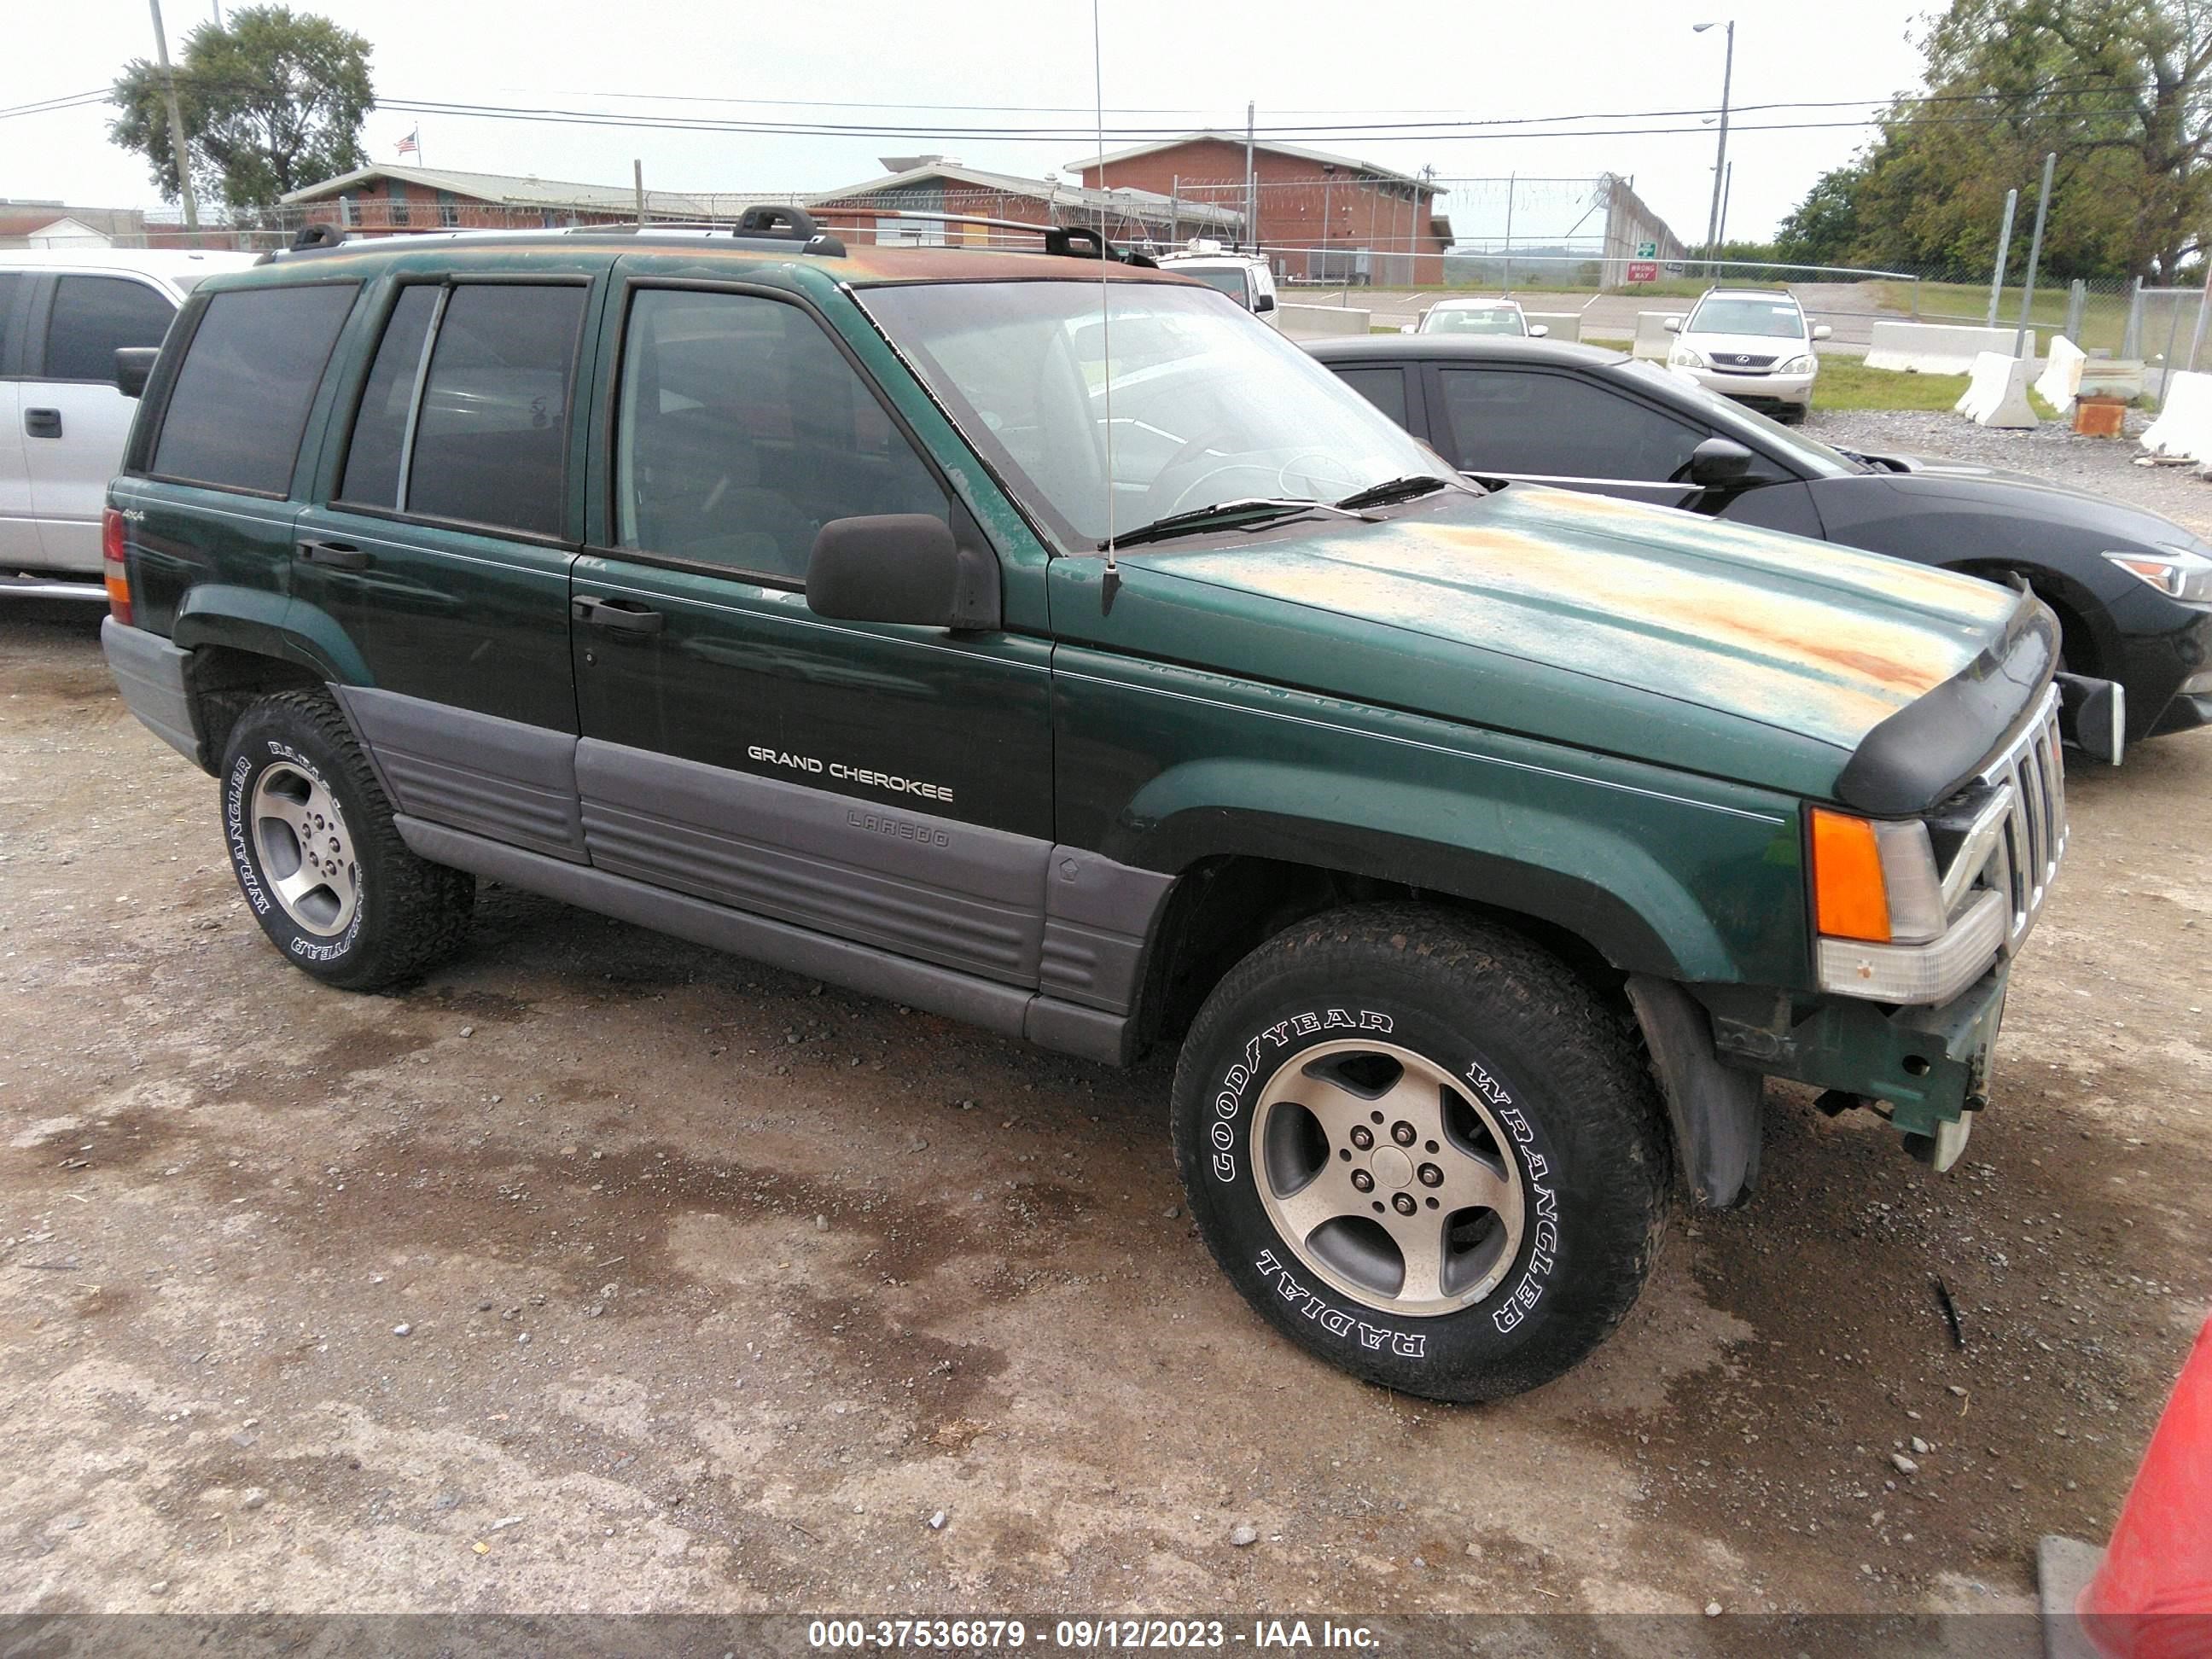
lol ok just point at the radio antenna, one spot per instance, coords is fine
(1112, 579)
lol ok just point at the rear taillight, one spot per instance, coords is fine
(113, 567)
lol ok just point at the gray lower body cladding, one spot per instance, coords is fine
(1010, 1009)
(149, 672)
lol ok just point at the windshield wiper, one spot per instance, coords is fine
(1396, 490)
(1263, 507)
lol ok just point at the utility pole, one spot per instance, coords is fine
(1251, 187)
(1720, 157)
(177, 149)
(1174, 212)
(1511, 180)
(1727, 187)
(637, 184)
(2004, 252)
(2034, 253)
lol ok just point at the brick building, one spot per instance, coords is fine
(1320, 217)
(937, 184)
(373, 200)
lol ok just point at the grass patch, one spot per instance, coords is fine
(2104, 316)
(1848, 383)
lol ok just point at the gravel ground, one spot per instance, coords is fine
(2050, 451)
(602, 1272)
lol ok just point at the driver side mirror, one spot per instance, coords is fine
(1265, 302)
(1719, 463)
(1537, 331)
(901, 568)
(1821, 331)
(134, 366)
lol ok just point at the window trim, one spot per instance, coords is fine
(962, 521)
(447, 282)
(170, 365)
(40, 323)
(16, 330)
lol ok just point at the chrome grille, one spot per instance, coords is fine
(2033, 834)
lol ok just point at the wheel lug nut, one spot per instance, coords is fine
(1362, 1181)
(1402, 1132)
(1404, 1203)
(1362, 1137)
(1432, 1176)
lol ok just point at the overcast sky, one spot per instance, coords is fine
(1179, 64)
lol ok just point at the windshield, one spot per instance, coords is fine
(1777, 319)
(1209, 403)
(1234, 283)
(1473, 319)
(1815, 456)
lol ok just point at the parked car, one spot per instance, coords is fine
(1482, 849)
(2132, 590)
(1245, 277)
(63, 314)
(1754, 344)
(1477, 316)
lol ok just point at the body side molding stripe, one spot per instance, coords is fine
(1006, 1009)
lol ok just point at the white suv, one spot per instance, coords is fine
(1477, 316)
(64, 312)
(1245, 277)
(1753, 344)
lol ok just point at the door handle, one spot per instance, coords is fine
(42, 422)
(339, 556)
(623, 616)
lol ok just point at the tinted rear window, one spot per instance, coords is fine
(380, 431)
(241, 398)
(491, 443)
(93, 315)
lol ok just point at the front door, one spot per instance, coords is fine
(437, 550)
(1545, 427)
(891, 785)
(73, 420)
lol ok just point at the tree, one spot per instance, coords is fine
(1823, 229)
(2121, 90)
(272, 101)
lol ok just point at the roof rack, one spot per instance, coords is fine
(773, 223)
(1058, 240)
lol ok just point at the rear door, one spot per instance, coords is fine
(20, 547)
(74, 422)
(438, 544)
(889, 784)
(1545, 426)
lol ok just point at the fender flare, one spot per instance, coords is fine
(1712, 1110)
(265, 624)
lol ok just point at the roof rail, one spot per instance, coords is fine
(1058, 240)
(771, 222)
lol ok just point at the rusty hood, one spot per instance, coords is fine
(1566, 606)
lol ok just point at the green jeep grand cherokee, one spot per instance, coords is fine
(1482, 849)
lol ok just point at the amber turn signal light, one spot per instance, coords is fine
(1851, 899)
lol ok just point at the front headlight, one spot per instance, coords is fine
(1805, 365)
(1891, 929)
(1682, 357)
(2175, 572)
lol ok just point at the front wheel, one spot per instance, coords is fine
(1423, 1150)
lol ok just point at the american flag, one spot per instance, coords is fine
(412, 143)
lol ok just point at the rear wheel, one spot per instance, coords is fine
(1423, 1150)
(314, 848)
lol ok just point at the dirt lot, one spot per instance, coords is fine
(715, 1286)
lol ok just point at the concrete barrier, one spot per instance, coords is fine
(1652, 339)
(1564, 324)
(2111, 377)
(2061, 381)
(1322, 322)
(1935, 348)
(2184, 425)
(1997, 394)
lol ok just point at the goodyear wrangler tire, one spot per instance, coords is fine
(1423, 1150)
(312, 843)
